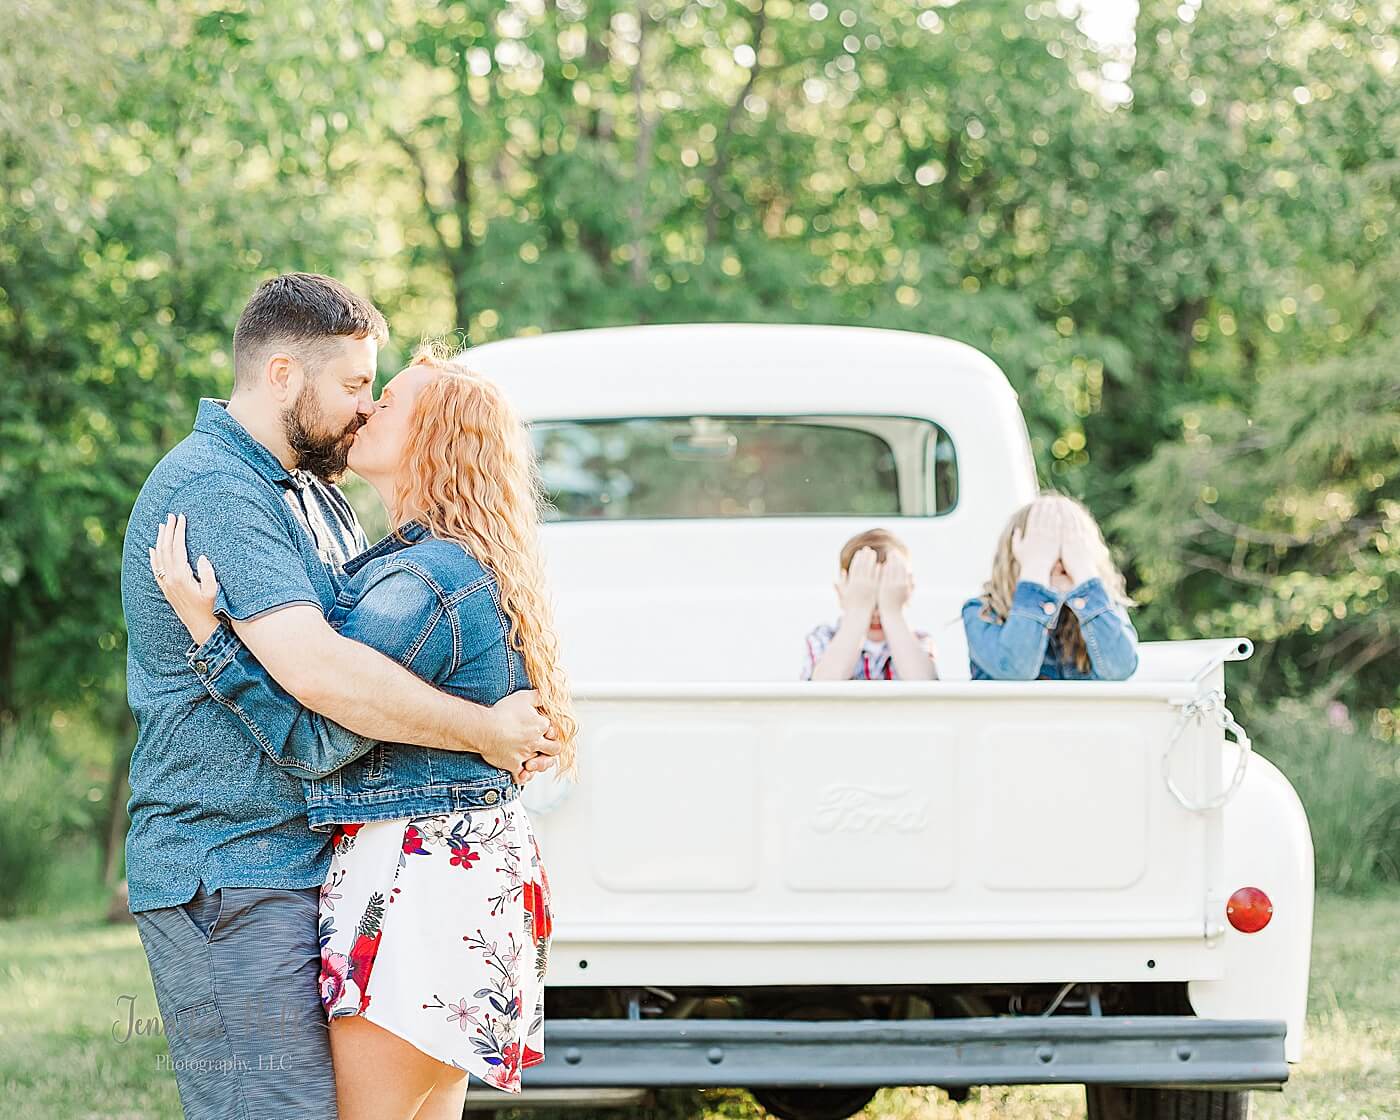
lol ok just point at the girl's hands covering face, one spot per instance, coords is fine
(1078, 551)
(1037, 547)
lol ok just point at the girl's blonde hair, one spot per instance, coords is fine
(469, 474)
(998, 591)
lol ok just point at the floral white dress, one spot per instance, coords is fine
(437, 929)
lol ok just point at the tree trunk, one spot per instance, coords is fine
(9, 641)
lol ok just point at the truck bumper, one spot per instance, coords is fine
(1179, 1051)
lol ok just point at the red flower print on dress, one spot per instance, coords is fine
(413, 842)
(343, 838)
(362, 963)
(541, 925)
(362, 952)
(463, 856)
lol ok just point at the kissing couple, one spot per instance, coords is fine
(337, 887)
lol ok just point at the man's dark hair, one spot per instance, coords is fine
(301, 310)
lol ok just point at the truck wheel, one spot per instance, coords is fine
(813, 1104)
(1114, 1102)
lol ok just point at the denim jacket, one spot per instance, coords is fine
(1023, 647)
(431, 606)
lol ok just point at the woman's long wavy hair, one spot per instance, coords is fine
(998, 591)
(469, 474)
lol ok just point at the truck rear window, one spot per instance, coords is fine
(745, 466)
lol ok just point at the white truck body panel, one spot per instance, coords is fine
(734, 827)
(1266, 844)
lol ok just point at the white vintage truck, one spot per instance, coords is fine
(815, 890)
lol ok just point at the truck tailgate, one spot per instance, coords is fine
(963, 832)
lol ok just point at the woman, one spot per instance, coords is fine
(1055, 607)
(435, 914)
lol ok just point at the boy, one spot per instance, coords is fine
(873, 640)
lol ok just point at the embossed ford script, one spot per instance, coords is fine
(849, 808)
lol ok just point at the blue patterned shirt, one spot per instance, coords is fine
(207, 805)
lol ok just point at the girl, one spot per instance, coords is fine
(435, 916)
(1055, 606)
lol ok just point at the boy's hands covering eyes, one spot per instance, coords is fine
(858, 590)
(896, 585)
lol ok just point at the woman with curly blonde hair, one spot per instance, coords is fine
(1055, 607)
(434, 917)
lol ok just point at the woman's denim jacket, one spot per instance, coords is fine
(431, 606)
(1023, 647)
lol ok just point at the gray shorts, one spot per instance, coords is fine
(236, 974)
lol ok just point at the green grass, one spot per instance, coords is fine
(60, 983)
(61, 977)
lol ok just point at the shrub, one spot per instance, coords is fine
(1349, 783)
(43, 808)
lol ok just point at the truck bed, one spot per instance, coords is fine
(947, 832)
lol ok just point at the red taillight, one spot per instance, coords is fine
(1249, 910)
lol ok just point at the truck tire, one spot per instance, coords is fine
(1114, 1102)
(801, 1103)
(813, 1104)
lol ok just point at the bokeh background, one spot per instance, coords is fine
(1176, 228)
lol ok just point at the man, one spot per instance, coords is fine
(223, 871)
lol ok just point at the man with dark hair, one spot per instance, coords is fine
(335, 335)
(224, 873)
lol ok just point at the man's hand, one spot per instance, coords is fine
(521, 738)
(859, 588)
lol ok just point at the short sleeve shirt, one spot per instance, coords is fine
(207, 805)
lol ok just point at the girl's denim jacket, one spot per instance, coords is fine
(1023, 647)
(431, 606)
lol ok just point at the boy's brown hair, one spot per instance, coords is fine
(881, 540)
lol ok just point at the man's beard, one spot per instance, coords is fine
(323, 454)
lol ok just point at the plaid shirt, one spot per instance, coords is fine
(873, 663)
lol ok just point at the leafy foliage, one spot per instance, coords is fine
(1182, 255)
